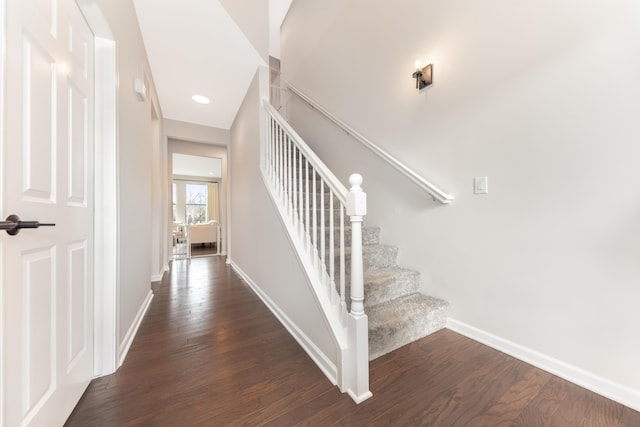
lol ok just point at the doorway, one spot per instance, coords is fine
(195, 188)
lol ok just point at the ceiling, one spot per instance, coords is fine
(210, 48)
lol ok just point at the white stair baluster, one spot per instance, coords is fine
(314, 236)
(279, 142)
(301, 194)
(294, 194)
(343, 274)
(307, 222)
(289, 173)
(332, 249)
(323, 264)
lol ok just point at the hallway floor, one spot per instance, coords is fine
(209, 353)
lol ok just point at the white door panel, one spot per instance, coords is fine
(39, 116)
(38, 315)
(47, 273)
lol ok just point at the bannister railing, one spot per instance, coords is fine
(313, 204)
(434, 191)
(278, 99)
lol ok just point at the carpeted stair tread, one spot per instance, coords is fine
(370, 235)
(374, 256)
(403, 320)
(384, 284)
(397, 312)
(327, 217)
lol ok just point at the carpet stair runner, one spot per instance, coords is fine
(397, 311)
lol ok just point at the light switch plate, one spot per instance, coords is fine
(480, 185)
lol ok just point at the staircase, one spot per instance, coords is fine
(398, 313)
(371, 305)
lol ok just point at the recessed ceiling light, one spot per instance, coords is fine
(201, 99)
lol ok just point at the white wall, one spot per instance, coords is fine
(252, 17)
(541, 97)
(260, 247)
(277, 11)
(135, 138)
(196, 133)
(257, 19)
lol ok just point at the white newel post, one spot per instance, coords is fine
(357, 323)
(356, 209)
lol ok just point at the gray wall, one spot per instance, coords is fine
(196, 133)
(541, 97)
(259, 244)
(135, 146)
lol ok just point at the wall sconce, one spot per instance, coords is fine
(423, 76)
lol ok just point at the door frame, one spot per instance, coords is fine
(3, 54)
(106, 205)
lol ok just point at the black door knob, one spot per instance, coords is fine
(12, 225)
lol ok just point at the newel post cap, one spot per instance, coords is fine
(356, 199)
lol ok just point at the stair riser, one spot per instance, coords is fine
(320, 207)
(374, 257)
(327, 197)
(327, 218)
(370, 236)
(380, 291)
(379, 259)
(403, 328)
(307, 179)
(377, 296)
(423, 327)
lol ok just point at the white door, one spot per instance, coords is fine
(47, 168)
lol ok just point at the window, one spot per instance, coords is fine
(196, 203)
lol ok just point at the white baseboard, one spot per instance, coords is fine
(320, 359)
(158, 277)
(588, 380)
(133, 329)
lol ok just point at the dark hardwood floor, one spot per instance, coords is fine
(209, 353)
(203, 249)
